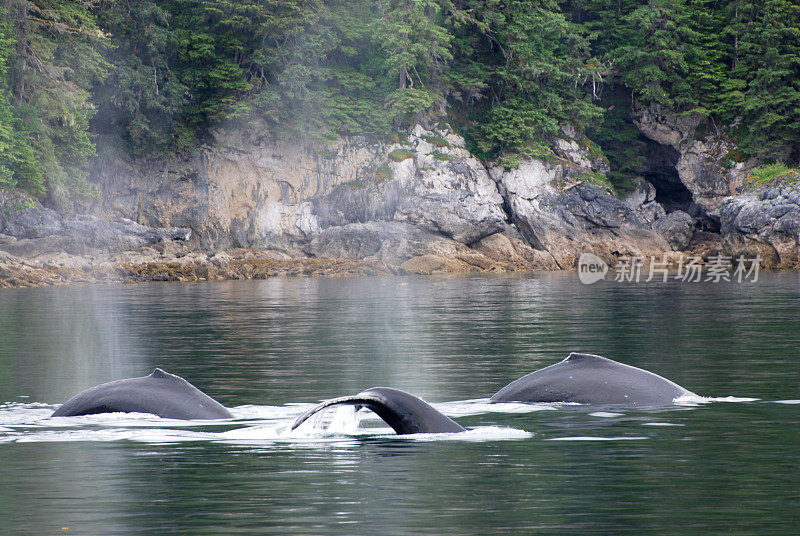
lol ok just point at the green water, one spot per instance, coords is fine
(723, 467)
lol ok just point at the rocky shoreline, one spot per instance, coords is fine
(91, 253)
(423, 204)
(165, 255)
(148, 264)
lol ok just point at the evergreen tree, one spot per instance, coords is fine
(652, 54)
(537, 71)
(766, 77)
(17, 162)
(143, 98)
(418, 52)
(56, 60)
(328, 80)
(508, 71)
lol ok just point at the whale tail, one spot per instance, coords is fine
(405, 413)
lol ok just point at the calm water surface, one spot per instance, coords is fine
(271, 349)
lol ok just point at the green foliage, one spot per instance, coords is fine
(12, 200)
(436, 141)
(327, 78)
(384, 173)
(515, 158)
(732, 61)
(142, 100)
(595, 150)
(418, 48)
(535, 64)
(596, 178)
(766, 75)
(398, 155)
(770, 173)
(441, 156)
(51, 54)
(620, 139)
(161, 74)
(652, 55)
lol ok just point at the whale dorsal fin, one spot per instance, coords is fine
(164, 375)
(574, 357)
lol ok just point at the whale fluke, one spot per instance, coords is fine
(404, 412)
(160, 393)
(592, 379)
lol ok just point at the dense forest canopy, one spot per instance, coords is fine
(160, 73)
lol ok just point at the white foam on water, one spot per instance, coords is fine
(734, 399)
(597, 438)
(253, 425)
(478, 434)
(662, 424)
(606, 414)
(481, 406)
(337, 420)
(695, 400)
(787, 401)
(24, 413)
(253, 412)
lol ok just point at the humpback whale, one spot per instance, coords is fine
(404, 412)
(160, 393)
(592, 379)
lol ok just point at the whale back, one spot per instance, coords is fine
(405, 413)
(160, 393)
(592, 379)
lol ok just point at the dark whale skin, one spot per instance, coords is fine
(592, 379)
(160, 393)
(405, 413)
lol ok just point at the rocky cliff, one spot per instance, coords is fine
(751, 219)
(423, 204)
(765, 222)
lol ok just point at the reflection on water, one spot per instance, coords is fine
(271, 349)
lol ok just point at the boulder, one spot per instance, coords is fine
(38, 231)
(765, 223)
(677, 228)
(566, 222)
(642, 200)
(33, 222)
(391, 242)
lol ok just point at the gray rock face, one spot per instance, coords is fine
(665, 127)
(567, 222)
(33, 223)
(392, 242)
(677, 228)
(766, 223)
(642, 200)
(701, 165)
(455, 198)
(439, 189)
(40, 230)
(427, 197)
(283, 196)
(704, 175)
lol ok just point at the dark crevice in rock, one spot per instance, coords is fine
(525, 231)
(706, 223)
(660, 170)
